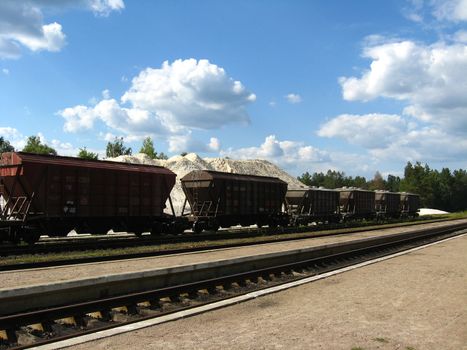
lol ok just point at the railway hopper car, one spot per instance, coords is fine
(219, 199)
(52, 195)
(356, 203)
(305, 206)
(387, 204)
(409, 204)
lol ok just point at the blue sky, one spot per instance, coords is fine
(356, 86)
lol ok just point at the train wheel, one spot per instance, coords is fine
(214, 227)
(138, 233)
(156, 229)
(197, 227)
(14, 235)
(31, 236)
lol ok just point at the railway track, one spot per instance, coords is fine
(59, 323)
(103, 242)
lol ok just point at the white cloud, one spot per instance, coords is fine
(78, 118)
(214, 144)
(427, 144)
(106, 94)
(430, 78)
(291, 155)
(190, 93)
(105, 7)
(51, 38)
(170, 101)
(392, 138)
(293, 98)
(460, 36)
(5, 71)
(186, 143)
(126, 120)
(451, 10)
(369, 131)
(296, 157)
(22, 23)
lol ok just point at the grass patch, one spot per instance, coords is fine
(357, 348)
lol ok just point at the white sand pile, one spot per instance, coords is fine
(428, 211)
(182, 165)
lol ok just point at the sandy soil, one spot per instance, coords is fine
(23, 278)
(416, 301)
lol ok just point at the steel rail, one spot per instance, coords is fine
(327, 262)
(186, 239)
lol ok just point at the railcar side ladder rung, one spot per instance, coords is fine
(16, 208)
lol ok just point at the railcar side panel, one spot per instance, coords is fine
(226, 199)
(60, 193)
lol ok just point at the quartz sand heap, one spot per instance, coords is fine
(182, 165)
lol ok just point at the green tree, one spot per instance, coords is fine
(85, 154)
(5, 146)
(116, 148)
(148, 148)
(34, 145)
(162, 155)
(393, 183)
(305, 179)
(360, 182)
(377, 183)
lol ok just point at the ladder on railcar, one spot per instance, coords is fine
(16, 208)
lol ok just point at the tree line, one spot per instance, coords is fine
(114, 148)
(444, 190)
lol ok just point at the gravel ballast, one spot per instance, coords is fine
(15, 279)
(416, 301)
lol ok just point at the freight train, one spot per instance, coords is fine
(53, 195)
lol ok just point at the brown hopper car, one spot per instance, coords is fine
(312, 205)
(54, 194)
(357, 203)
(409, 204)
(387, 204)
(225, 199)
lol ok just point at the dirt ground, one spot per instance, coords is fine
(415, 301)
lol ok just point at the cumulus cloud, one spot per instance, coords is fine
(192, 93)
(392, 138)
(369, 130)
(105, 7)
(427, 144)
(186, 143)
(112, 114)
(22, 23)
(451, 10)
(172, 100)
(429, 78)
(18, 141)
(296, 157)
(280, 152)
(293, 98)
